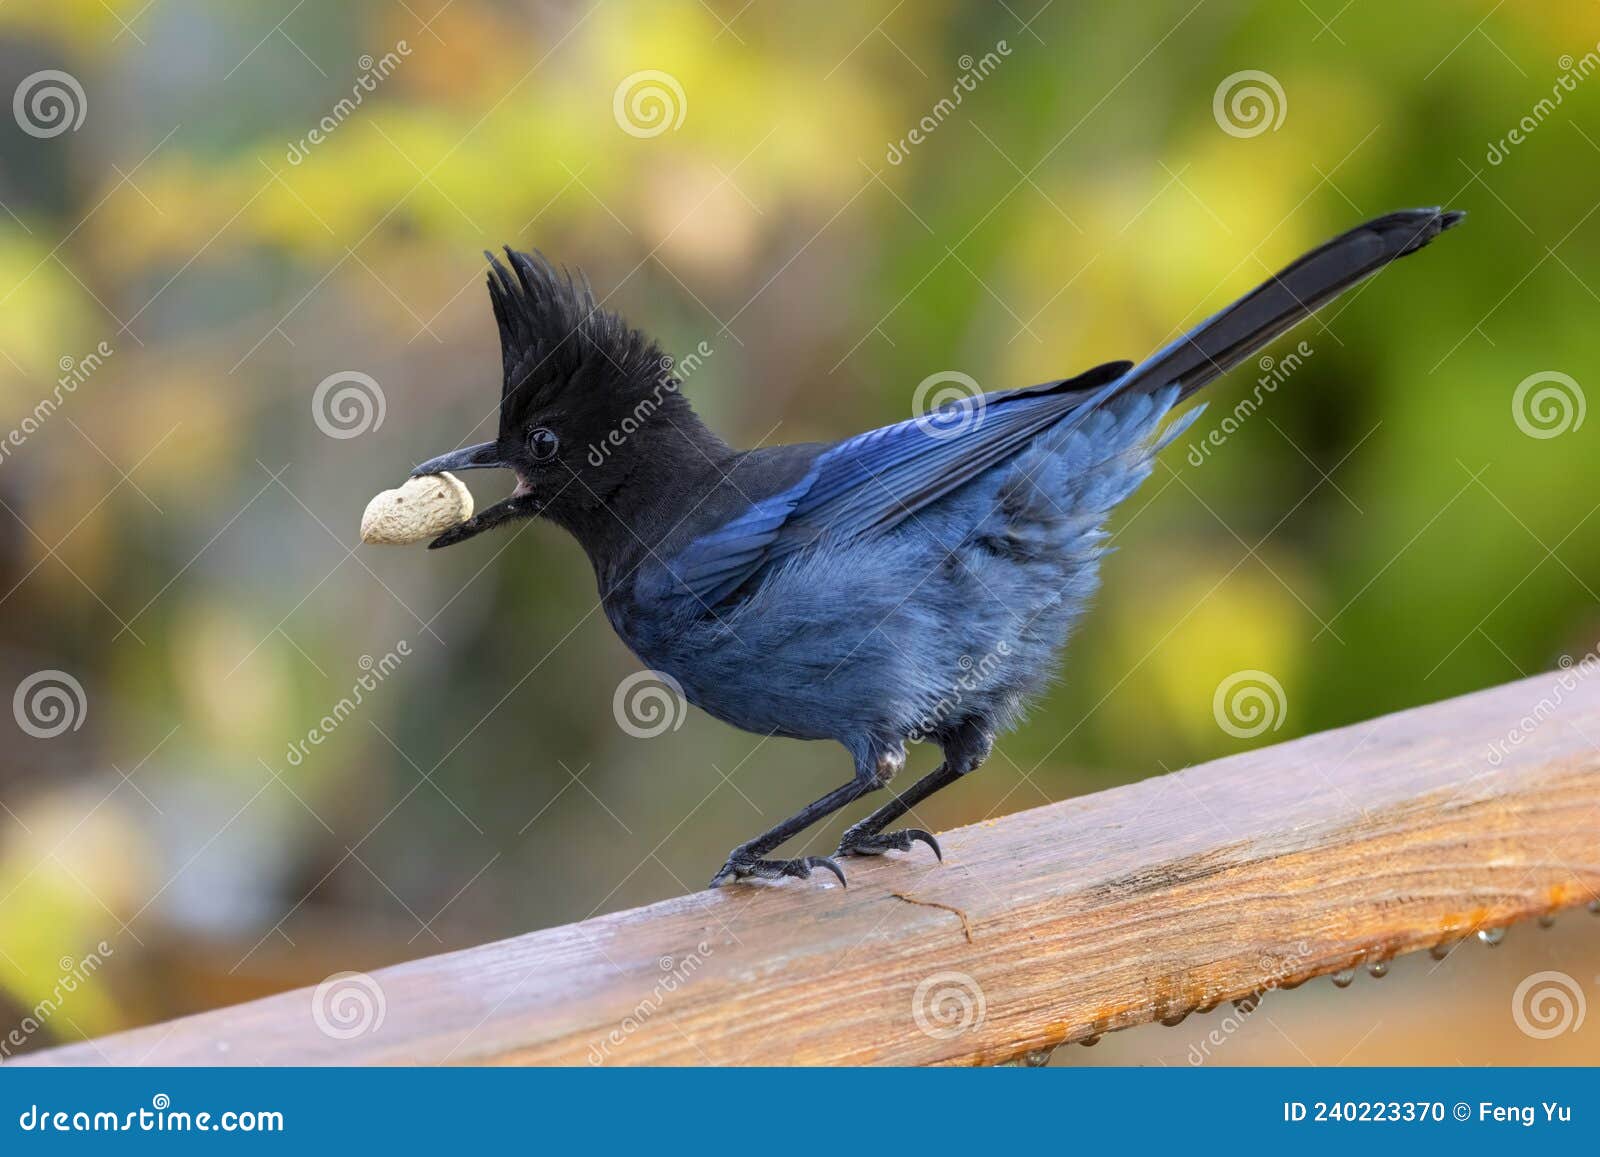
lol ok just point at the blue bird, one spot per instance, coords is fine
(915, 582)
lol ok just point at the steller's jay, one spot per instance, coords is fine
(912, 582)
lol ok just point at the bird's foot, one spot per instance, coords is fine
(860, 843)
(745, 866)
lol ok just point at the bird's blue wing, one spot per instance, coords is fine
(872, 482)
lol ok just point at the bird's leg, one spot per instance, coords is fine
(748, 861)
(967, 748)
(868, 838)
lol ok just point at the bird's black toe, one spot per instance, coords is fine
(877, 843)
(748, 867)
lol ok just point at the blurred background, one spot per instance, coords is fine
(241, 291)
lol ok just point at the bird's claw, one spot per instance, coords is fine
(744, 867)
(876, 843)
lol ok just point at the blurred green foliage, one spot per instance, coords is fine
(179, 534)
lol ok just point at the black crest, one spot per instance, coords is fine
(554, 338)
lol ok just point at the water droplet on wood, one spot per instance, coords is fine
(1344, 977)
(1378, 969)
(1491, 936)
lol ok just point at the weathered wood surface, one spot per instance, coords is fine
(1048, 926)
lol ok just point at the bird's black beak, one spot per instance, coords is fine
(483, 456)
(517, 506)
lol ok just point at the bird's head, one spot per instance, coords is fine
(584, 399)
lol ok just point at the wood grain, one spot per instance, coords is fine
(1056, 924)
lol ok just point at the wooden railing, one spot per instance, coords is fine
(1137, 904)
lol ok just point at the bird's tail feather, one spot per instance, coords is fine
(1222, 341)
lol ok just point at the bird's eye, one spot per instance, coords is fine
(542, 444)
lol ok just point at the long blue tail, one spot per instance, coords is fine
(1224, 340)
